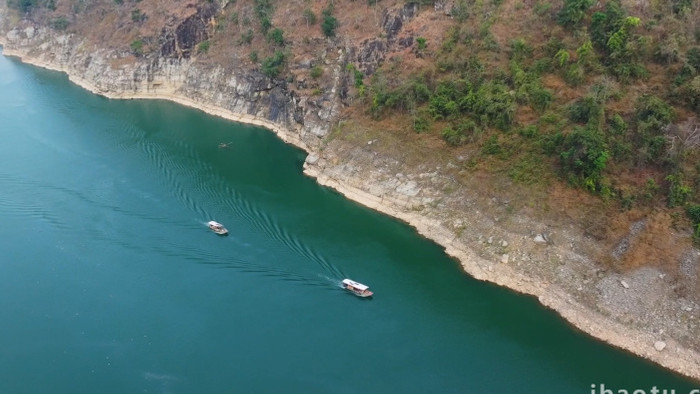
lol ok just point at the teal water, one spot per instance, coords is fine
(110, 282)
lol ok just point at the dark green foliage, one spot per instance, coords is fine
(420, 122)
(573, 12)
(23, 5)
(137, 47)
(584, 156)
(584, 110)
(490, 104)
(272, 66)
(678, 190)
(682, 7)
(406, 96)
(445, 101)
(520, 49)
(358, 78)
(493, 105)
(653, 115)
(316, 72)
(60, 23)
(693, 57)
(491, 146)
(612, 33)
(693, 212)
(528, 131)
(604, 24)
(253, 56)
(461, 133)
(276, 36)
(204, 46)
(137, 15)
(453, 137)
(263, 10)
(329, 23)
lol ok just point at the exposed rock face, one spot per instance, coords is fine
(181, 41)
(372, 52)
(629, 311)
(230, 88)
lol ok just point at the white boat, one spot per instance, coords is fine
(357, 288)
(217, 227)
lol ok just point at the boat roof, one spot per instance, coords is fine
(357, 285)
(213, 223)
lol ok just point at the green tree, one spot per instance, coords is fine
(276, 36)
(273, 65)
(584, 156)
(573, 12)
(329, 24)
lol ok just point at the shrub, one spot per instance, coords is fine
(491, 146)
(693, 212)
(60, 23)
(137, 47)
(273, 65)
(263, 10)
(329, 24)
(584, 156)
(137, 15)
(310, 17)
(276, 36)
(653, 115)
(316, 72)
(204, 46)
(682, 7)
(421, 123)
(247, 37)
(678, 191)
(693, 57)
(573, 12)
(453, 137)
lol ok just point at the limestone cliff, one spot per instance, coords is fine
(551, 259)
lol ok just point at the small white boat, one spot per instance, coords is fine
(217, 228)
(357, 288)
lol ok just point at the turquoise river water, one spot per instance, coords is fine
(110, 281)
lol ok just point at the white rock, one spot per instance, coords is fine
(624, 284)
(505, 258)
(659, 345)
(490, 240)
(504, 243)
(29, 32)
(540, 239)
(409, 188)
(312, 159)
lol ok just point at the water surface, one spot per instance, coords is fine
(110, 281)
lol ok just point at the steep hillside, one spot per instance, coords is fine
(552, 146)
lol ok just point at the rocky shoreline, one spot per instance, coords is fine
(396, 196)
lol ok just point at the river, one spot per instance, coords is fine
(110, 281)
